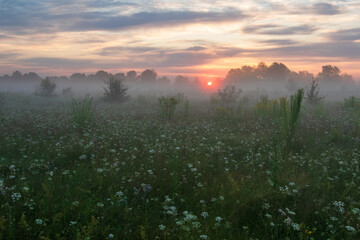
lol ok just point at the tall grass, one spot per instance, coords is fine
(291, 117)
(82, 112)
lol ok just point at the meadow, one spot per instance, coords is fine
(153, 168)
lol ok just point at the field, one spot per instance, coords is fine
(206, 170)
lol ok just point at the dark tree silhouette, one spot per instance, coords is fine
(115, 90)
(46, 88)
(131, 75)
(148, 76)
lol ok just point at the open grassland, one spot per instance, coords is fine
(207, 172)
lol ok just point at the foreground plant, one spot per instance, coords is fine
(167, 105)
(291, 117)
(82, 111)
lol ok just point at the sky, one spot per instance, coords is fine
(194, 38)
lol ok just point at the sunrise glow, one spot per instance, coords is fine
(190, 38)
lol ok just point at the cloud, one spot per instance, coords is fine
(349, 51)
(273, 29)
(325, 9)
(152, 19)
(346, 35)
(196, 48)
(283, 42)
(57, 62)
(108, 51)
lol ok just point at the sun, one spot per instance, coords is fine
(209, 83)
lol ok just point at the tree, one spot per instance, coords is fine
(148, 76)
(181, 80)
(47, 88)
(131, 75)
(115, 90)
(163, 80)
(277, 72)
(312, 95)
(102, 75)
(78, 77)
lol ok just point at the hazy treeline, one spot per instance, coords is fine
(274, 77)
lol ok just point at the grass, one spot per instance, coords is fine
(134, 176)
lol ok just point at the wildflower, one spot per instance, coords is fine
(99, 170)
(82, 157)
(73, 223)
(100, 204)
(218, 219)
(39, 221)
(350, 228)
(204, 214)
(119, 194)
(162, 227)
(295, 226)
(203, 237)
(15, 196)
(111, 236)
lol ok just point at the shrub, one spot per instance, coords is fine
(67, 92)
(116, 90)
(352, 103)
(2, 100)
(46, 88)
(82, 112)
(167, 105)
(228, 97)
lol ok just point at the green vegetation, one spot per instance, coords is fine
(46, 88)
(115, 90)
(290, 174)
(167, 105)
(82, 112)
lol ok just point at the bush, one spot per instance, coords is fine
(167, 105)
(67, 92)
(116, 90)
(352, 103)
(46, 88)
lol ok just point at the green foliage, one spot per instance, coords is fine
(2, 100)
(227, 97)
(132, 176)
(115, 90)
(67, 92)
(82, 112)
(313, 95)
(46, 88)
(291, 117)
(352, 103)
(226, 102)
(167, 105)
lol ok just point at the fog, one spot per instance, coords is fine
(275, 80)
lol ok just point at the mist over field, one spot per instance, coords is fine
(179, 119)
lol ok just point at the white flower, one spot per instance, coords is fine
(204, 214)
(39, 221)
(162, 227)
(100, 204)
(111, 236)
(203, 237)
(218, 219)
(350, 228)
